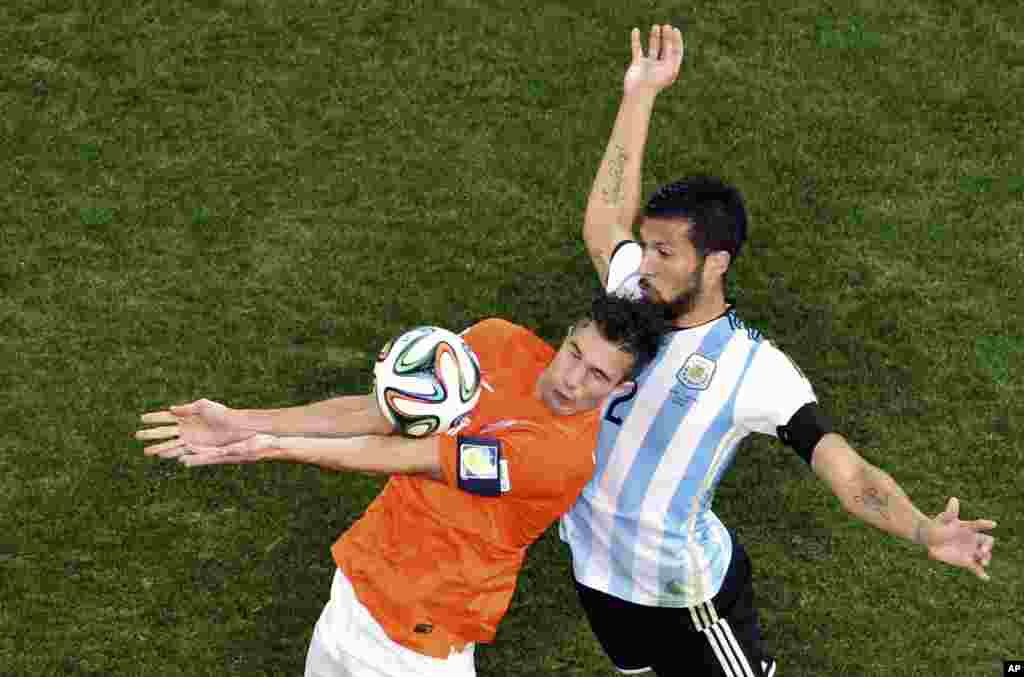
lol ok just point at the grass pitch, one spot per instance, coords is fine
(243, 199)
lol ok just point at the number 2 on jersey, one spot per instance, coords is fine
(609, 414)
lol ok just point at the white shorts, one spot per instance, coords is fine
(348, 642)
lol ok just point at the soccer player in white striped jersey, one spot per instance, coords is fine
(666, 587)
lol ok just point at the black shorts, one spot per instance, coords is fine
(720, 638)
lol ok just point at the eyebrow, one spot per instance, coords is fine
(653, 243)
(575, 346)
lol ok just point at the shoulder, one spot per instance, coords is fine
(495, 330)
(774, 373)
(498, 342)
(492, 326)
(740, 326)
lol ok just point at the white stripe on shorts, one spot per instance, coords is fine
(737, 648)
(696, 620)
(722, 640)
(713, 641)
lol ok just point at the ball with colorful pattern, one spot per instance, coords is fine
(426, 381)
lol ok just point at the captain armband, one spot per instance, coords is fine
(479, 464)
(805, 429)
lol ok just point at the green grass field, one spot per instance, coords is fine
(243, 200)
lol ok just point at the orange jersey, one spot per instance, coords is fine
(437, 566)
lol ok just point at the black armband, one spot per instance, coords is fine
(805, 429)
(479, 466)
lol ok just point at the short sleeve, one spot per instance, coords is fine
(623, 267)
(772, 392)
(488, 335)
(531, 471)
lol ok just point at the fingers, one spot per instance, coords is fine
(170, 449)
(634, 43)
(982, 556)
(985, 546)
(187, 409)
(951, 512)
(159, 417)
(195, 460)
(654, 45)
(674, 45)
(982, 525)
(212, 451)
(161, 433)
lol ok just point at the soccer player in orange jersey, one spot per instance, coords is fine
(429, 570)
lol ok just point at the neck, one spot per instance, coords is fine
(704, 312)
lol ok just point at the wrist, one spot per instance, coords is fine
(280, 449)
(243, 420)
(640, 97)
(922, 532)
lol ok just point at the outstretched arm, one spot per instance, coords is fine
(204, 422)
(337, 417)
(384, 454)
(614, 202)
(871, 494)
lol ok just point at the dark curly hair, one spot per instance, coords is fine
(715, 210)
(634, 325)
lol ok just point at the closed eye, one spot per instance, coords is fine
(658, 248)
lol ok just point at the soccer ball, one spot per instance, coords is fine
(426, 381)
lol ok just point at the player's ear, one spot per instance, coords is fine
(717, 262)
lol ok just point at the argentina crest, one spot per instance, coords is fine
(696, 372)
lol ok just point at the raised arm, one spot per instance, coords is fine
(872, 495)
(614, 202)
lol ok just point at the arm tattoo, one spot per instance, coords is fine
(875, 501)
(611, 184)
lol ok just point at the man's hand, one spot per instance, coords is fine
(202, 422)
(659, 68)
(960, 543)
(256, 448)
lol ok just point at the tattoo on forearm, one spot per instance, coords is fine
(611, 182)
(875, 501)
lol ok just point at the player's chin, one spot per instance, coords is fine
(560, 404)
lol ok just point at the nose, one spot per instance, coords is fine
(645, 265)
(574, 376)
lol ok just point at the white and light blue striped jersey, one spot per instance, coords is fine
(643, 529)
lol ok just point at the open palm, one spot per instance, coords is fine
(201, 423)
(659, 69)
(961, 543)
(250, 450)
